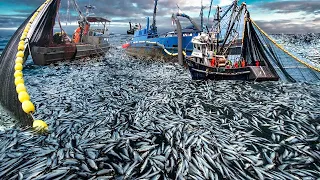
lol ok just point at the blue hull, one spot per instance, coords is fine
(147, 42)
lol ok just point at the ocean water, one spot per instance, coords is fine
(305, 46)
(91, 103)
(3, 42)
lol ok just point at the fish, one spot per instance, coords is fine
(123, 118)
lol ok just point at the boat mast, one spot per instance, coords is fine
(223, 15)
(154, 26)
(231, 27)
(235, 3)
(218, 26)
(210, 10)
(201, 15)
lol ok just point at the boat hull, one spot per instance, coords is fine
(161, 48)
(48, 55)
(130, 32)
(249, 73)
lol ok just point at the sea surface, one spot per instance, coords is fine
(142, 108)
(305, 46)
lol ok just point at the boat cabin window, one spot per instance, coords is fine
(198, 47)
(97, 28)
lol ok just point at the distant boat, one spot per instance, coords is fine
(148, 42)
(89, 39)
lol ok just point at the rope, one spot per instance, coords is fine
(284, 50)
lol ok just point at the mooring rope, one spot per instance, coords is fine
(284, 50)
(23, 96)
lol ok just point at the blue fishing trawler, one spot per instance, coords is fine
(148, 42)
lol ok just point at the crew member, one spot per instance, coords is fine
(257, 63)
(213, 62)
(76, 35)
(243, 63)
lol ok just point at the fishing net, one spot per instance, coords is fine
(42, 35)
(8, 94)
(253, 48)
(258, 46)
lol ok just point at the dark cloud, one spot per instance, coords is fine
(288, 27)
(307, 6)
(11, 20)
(123, 11)
(317, 21)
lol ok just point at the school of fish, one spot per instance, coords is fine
(123, 118)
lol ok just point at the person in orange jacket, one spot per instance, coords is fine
(243, 63)
(76, 35)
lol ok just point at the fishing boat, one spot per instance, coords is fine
(225, 59)
(148, 42)
(243, 51)
(133, 28)
(89, 39)
(205, 64)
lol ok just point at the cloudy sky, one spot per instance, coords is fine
(274, 16)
